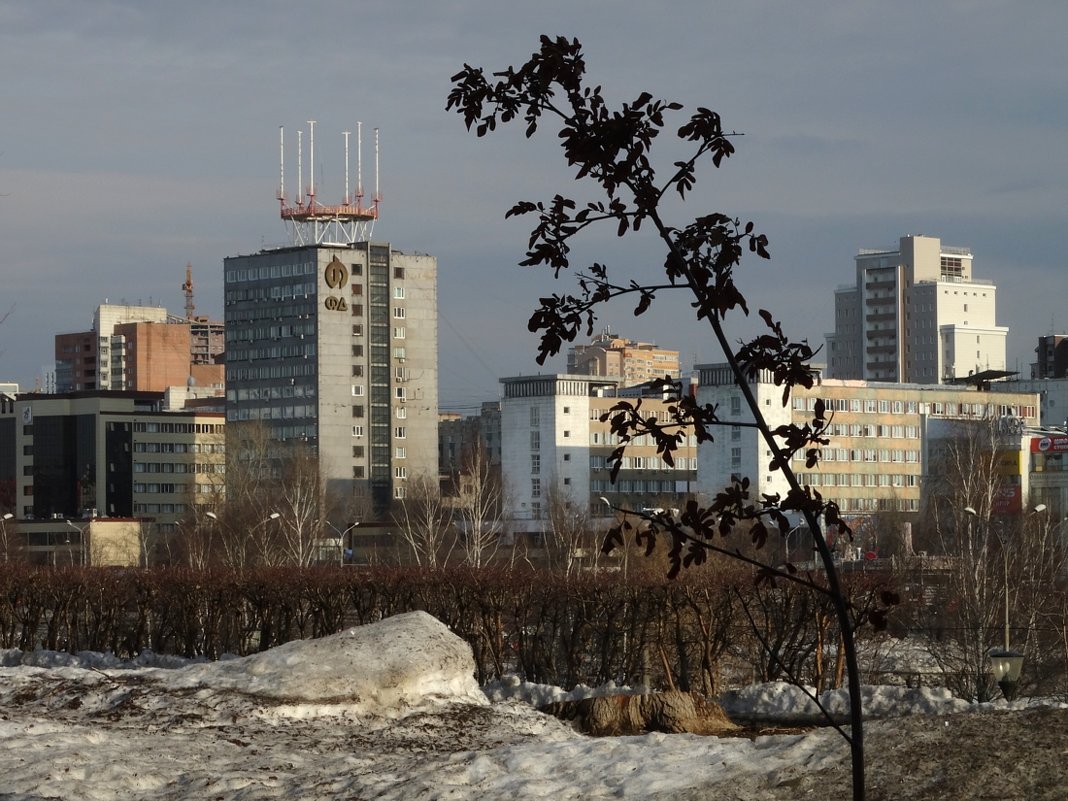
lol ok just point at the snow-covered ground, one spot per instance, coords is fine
(386, 711)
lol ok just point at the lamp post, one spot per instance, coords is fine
(3, 528)
(81, 542)
(341, 538)
(1005, 663)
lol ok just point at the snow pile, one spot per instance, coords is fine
(389, 668)
(512, 687)
(786, 703)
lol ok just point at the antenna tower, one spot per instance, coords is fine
(314, 223)
(187, 287)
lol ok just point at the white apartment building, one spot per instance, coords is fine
(554, 443)
(915, 315)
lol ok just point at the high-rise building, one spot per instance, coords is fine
(631, 362)
(333, 341)
(915, 315)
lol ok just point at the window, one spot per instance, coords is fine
(357, 431)
(398, 292)
(567, 435)
(535, 488)
(398, 312)
(398, 332)
(399, 353)
(535, 464)
(399, 432)
(398, 272)
(401, 393)
(400, 453)
(400, 472)
(402, 413)
(736, 405)
(357, 329)
(535, 416)
(736, 457)
(357, 390)
(535, 440)
(357, 411)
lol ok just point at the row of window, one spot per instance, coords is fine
(859, 479)
(291, 370)
(169, 489)
(301, 289)
(873, 455)
(179, 428)
(302, 349)
(946, 408)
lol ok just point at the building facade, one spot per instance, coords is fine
(915, 315)
(1051, 357)
(879, 433)
(139, 348)
(627, 361)
(336, 346)
(117, 455)
(555, 448)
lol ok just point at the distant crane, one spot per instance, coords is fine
(187, 287)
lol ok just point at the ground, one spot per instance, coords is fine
(391, 713)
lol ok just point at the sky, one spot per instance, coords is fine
(391, 710)
(139, 137)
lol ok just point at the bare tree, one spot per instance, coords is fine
(612, 150)
(299, 500)
(571, 541)
(998, 561)
(479, 505)
(425, 522)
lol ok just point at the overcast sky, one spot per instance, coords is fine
(138, 137)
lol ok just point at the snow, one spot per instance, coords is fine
(385, 711)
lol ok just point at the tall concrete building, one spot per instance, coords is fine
(333, 341)
(915, 315)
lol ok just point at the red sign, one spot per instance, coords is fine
(1049, 444)
(1007, 501)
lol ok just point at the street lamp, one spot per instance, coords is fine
(1005, 663)
(341, 540)
(81, 542)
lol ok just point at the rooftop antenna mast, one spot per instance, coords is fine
(311, 222)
